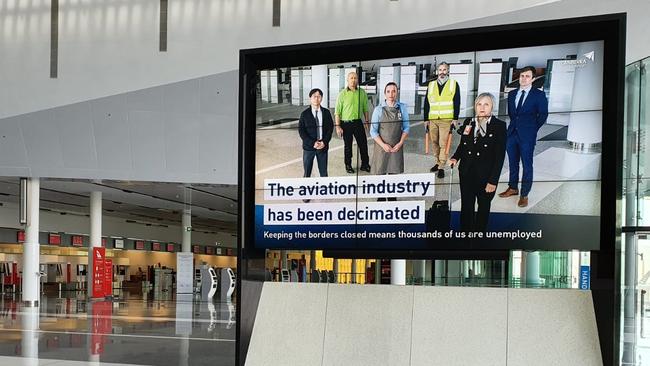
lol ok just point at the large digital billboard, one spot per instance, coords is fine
(490, 143)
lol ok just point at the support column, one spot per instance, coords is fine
(283, 260)
(353, 269)
(439, 272)
(377, 271)
(454, 272)
(185, 259)
(312, 261)
(419, 266)
(398, 272)
(187, 231)
(31, 248)
(532, 269)
(29, 339)
(335, 269)
(95, 236)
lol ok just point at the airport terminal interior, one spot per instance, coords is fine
(126, 253)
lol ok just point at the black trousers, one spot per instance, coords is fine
(355, 128)
(308, 161)
(470, 194)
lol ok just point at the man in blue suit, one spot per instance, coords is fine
(528, 110)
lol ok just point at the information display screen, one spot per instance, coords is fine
(483, 148)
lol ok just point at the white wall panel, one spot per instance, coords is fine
(111, 133)
(42, 136)
(182, 135)
(12, 148)
(148, 138)
(76, 136)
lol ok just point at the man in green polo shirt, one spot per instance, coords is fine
(351, 108)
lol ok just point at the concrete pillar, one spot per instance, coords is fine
(283, 260)
(312, 260)
(31, 248)
(398, 272)
(377, 271)
(532, 269)
(186, 244)
(29, 340)
(335, 268)
(95, 236)
(419, 270)
(454, 272)
(428, 268)
(439, 272)
(353, 269)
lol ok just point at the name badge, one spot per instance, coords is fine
(467, 130)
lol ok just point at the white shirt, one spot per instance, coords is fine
(319, 120)
(527, 90)
(485, 125)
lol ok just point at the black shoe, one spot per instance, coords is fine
(434, 169)
(348, 168)
(381, 199)
(306, 201)
(365, 168)
(441, 173)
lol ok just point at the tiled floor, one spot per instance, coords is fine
(131, 330)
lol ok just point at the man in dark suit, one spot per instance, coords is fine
(315, 128)
(528, 110)
(481, 153)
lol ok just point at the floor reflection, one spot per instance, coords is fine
(133, 329)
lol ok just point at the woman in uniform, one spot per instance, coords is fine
(480, 156)
(389, 127)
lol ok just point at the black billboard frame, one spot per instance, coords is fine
(605, 262)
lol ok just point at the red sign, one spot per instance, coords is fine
(155, 246)
(54, 239)
(98, 271)
(170, 247)
(108, 277)
(139, 245)
(196, 249)
(21, 236)
(77, 240)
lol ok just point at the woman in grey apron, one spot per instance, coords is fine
(389, 128)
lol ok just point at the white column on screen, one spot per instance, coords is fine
(398, 272)
(585, 122)
(532, 269)
(319, 80)
(419, 266)
(439, 272)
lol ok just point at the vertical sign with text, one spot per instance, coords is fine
(98, 264)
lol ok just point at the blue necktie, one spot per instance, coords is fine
(521, 100)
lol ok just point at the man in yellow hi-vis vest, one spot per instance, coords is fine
(441, 109)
